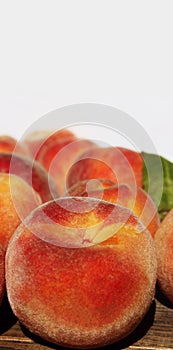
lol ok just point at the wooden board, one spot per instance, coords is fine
(154, 333)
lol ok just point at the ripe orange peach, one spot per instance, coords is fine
(31, 171)
(2, 273)
(63, 160)
(117, 164)
(131, 197)
(85, 188)
(34, 140)
(17, 200)
(164, 249)
(38, 141)
(56, 152)
(10, 144)
(81, 272)
(52, 145)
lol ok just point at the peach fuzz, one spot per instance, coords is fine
(10, 144)
(164, 249)
(81, 272)
(2, 273)
(17, 200)
(131, 197)
(30, 171)
(117, 164)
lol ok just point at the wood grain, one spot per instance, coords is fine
(154, 333)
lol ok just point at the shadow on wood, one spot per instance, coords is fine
(39, 340)
(138, 333)
(7, 318)
(162, 298)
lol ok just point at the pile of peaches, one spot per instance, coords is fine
(81, 241)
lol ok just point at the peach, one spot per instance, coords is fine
(164, 249)
(17, 200)
(117, 164)
(51, 146)
(10, 144)
(2, 273)
(57, 153)
(86, 187)
(34, 140)
(32, 172)
(39, 140)
(81, 272)
(131, 197)
(64, 159)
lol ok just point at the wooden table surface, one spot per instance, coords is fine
(154, 332)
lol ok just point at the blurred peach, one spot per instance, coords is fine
(10, 144)
(117, 164)
(132, 197)
(31, 171)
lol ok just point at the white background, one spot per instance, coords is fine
(55, 53)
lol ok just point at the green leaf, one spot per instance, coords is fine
(158, 181)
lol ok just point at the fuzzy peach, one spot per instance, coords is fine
(117, 164)
(81, 272)
(164, 248)
(131, 197)
(2, 273)
(57, 152)
(86, 187)
(63, 160)
(10, 144)
(34, 140)
(31, 171)
(38, 140)
(52, 145)
(17, 200)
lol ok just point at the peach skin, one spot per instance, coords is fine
(34, 140)
(117, 164)
(17, 200)
(52, 145)
(31, 171)
(164, 249)
(58, 152)
(10, 144)
(131, 197)
(38, 140)
(64, 159)
(81, 272)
